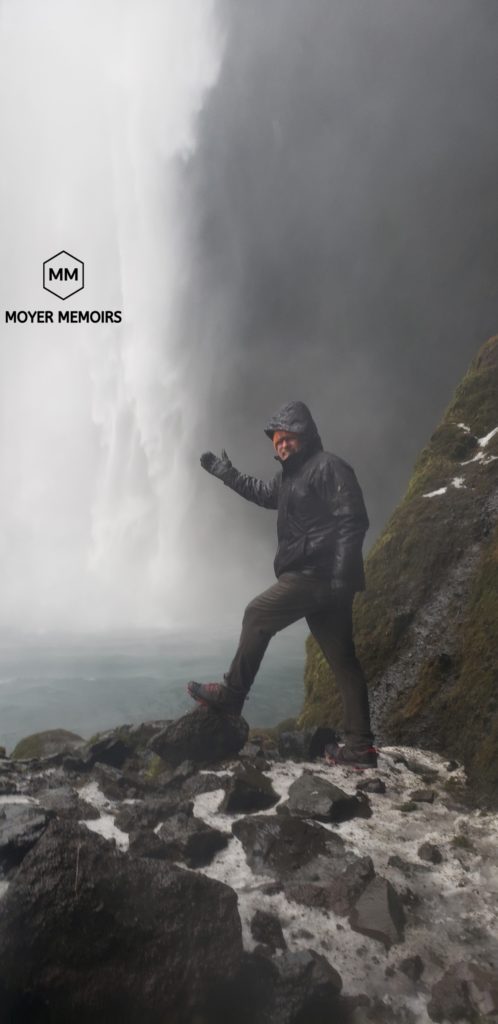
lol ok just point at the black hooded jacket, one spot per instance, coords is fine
(322, 518)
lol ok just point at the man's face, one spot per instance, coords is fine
(287, 445)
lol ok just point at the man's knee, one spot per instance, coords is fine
(256, 618)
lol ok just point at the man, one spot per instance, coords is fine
(321, 524)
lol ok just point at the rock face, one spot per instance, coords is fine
(425, 628)
(21, 825)
(96, 935)
(201, 736)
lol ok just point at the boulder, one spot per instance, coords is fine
(190, 840)
(46, 744)
(379, 913)
(311, 862)
(149, 813)
(21, 826)
(112, 748)
(101, 936)
(64, 802)
(248, 790)
(311, 796)
(422, 796)
(372, 786)
(202, 736)
(466, 990)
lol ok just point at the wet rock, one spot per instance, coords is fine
(407, 867)
(423, 796)
(115, 784)
(248, 790)
(202, 736)
(101, 936)
(21, 826)
(464, 991)
(146, 843)
(379, 913)
(147, 814)
(305, 744)
(430, 852)
(65, 803)
(311, 862)
(190, 840)
(204, 782)
(413, 967)
(310, 796)
(266, 929)
(109, 748)
(46, 744)
(372, 786)
(306, 989)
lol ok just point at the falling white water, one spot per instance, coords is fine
(100, 105)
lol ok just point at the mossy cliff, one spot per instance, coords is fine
(426, 628)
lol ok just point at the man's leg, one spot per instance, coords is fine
(293, 596)
(332, 627)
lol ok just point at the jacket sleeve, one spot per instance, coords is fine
(249, 487)
(339, 488)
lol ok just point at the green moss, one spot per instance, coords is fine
(453, 703)
(44, 744)
(408, 807)
(155, 767)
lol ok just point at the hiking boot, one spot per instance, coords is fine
(217, 697)
(344, 757)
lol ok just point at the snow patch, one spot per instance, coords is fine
(93, 795)
(105, 827)
(432, 494)
(3, 888)
(458, 481)
(464, 426)
(15, 798)
(483, 441)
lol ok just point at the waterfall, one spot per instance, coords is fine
(98, 124)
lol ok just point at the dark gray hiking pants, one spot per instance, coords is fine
(296, 595)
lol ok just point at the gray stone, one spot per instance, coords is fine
(379, 913)
(109, 748)
(65, 803)
(203, 736)
(101, 936)
(21, 826)
(248, 790)
(311, 796)
(310, 861)
(430, 852)
(190, 840)
(422, 796)
(464, 991)
(372, 786)
(413, 967)
(147, 814)
(307, 989)
(266, 929)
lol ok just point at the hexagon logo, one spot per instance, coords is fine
(63, 275)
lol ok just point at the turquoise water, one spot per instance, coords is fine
(87, 683)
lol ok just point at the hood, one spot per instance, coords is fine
(296, 417)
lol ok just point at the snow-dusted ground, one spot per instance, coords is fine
(454, 912)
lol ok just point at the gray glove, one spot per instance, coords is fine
(218, 467)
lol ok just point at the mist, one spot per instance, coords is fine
(287, 201)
